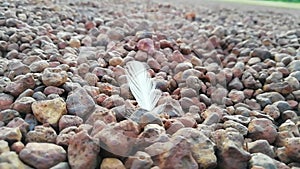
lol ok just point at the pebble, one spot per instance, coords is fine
(54, 76)
(111, 163)
(261, 146)
(49, 111)
(262, 160)
(10, 134)
(83, 151)
(23, 82)
(262, 128)
(42, 155)
(80, 103)
(11, 160)
(41, 134)
(139, 160)
(23, 105)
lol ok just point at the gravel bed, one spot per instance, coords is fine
(229, 80)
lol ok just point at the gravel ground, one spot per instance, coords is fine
(228, 73)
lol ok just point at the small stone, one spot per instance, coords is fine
(236, 84)
(23, 83)
(262, 128)
(103, 114)
(11, 160)
(53, 90)
(261, 53)
(280, 87)
(139, 160)
(202, 147)
(146, 45)
(41, 134)
(20, 123)
(10, 134)
(261, 146)
(269, 98)
(4, 147)
(82, 146)
(123, 134)
(42, 155)
(282, 106)
(6, 101)
(292, 148)
(272, 111)
(236, 96)
(294, 66)
(80, 103)
(115, 61)
(54, 76)
(49, 111)
(39, 66)
(230, 149)
(74, 43)
(112, 163)
(91, 78)
(115, 34)
(69, 120)
(7, 115)
(23, 105)
(260, 159)
(17, 147)
(238, 126)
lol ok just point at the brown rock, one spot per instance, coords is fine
(10, 134)
(80, 103)
(292, 148)
(262, 128)
(140, 160)
(42, 155)
(123, 134)
(23, 105)
(236, 96)
(111, 163)
(280, 87)
(18, 122)
(17, 147)
(230, 152)
(42, 134)
(103, 114)
(83, 151)
(65, 135)
(261, 146)
(49, 111)
(6, 101)
(69, 120)
(202, 148)
(262, 160)
(178, 156)
(115, 61)
(54, 76)
(74, 43)
(22, 83)
(53, 90)
(146, 45)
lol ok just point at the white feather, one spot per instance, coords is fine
(141, 85)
